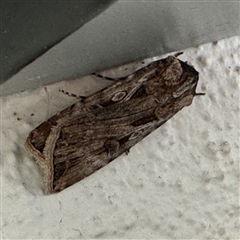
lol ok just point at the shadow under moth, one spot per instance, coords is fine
(91, 133)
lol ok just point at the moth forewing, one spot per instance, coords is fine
(88, 135)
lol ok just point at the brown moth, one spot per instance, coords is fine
(91, 133)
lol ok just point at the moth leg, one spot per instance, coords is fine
(72, 94)
(127, 151)
(199, 94)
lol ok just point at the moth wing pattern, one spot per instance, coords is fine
(88, 135)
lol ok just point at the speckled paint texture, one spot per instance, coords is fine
(181, 182)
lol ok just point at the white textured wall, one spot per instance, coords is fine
(181, 182)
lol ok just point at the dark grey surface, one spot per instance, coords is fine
(30, 28)
(128, 31)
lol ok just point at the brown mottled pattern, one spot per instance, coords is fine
(88, 135)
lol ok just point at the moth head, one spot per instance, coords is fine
(172, 72)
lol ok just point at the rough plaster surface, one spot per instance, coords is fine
(181, 182)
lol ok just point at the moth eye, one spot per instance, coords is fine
(119, 96)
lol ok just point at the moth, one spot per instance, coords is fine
(91, 133)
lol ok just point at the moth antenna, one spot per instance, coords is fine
(71, 94)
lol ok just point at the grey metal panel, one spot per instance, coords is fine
(130, 31)
(30, 28)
